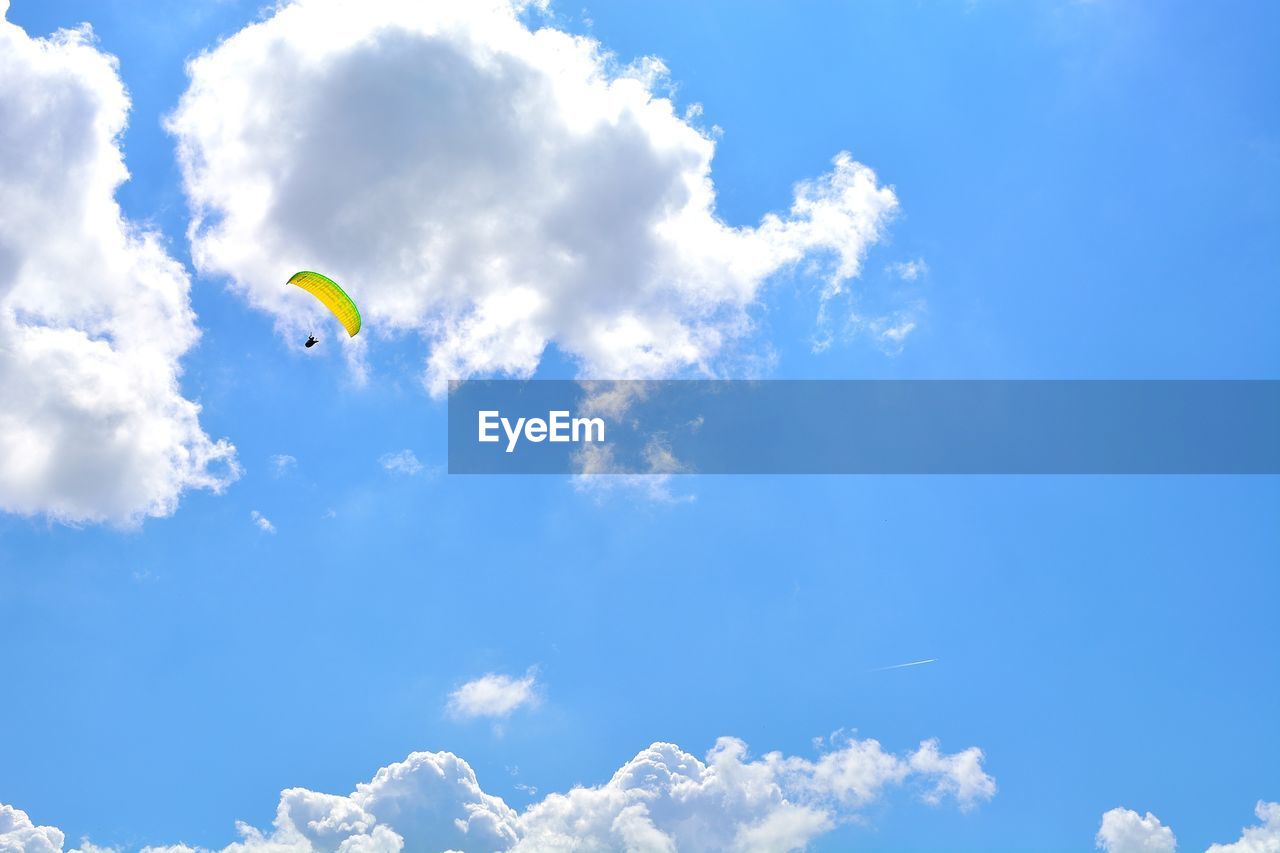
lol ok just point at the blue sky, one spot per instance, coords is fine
(1094, 190)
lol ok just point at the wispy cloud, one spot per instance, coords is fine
(401, 462)
(897, 333)
(263, 523)
(910, 270)
(281, 463)
(600, 475)
(597, 470)
(889, 331)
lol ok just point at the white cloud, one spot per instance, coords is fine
(401, 462)
(1126, 831)
(1264, 838)
(663, 799)
(282, 463)
(86, 847)
(597, 470)
(17, 833)
(262, 522)
(94, 314)
(889, 331)
(959, 775)
(598, 473)
(910, 270)
(788, 827)
(493, 188)
(896, 333)
(493, 695)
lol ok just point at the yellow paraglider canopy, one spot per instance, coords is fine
(331, 296)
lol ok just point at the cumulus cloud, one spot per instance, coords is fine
(492, 187)
(17, 833)
(401, 462)
(1126, 831)
(664, 799)
(959, 775)
(94, 314)
(1264, 838)
(493, 695)
(262, 522)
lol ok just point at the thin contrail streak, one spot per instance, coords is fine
(904, 665)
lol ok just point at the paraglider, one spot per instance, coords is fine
(332, 297)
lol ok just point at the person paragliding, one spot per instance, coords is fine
(332, 297)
